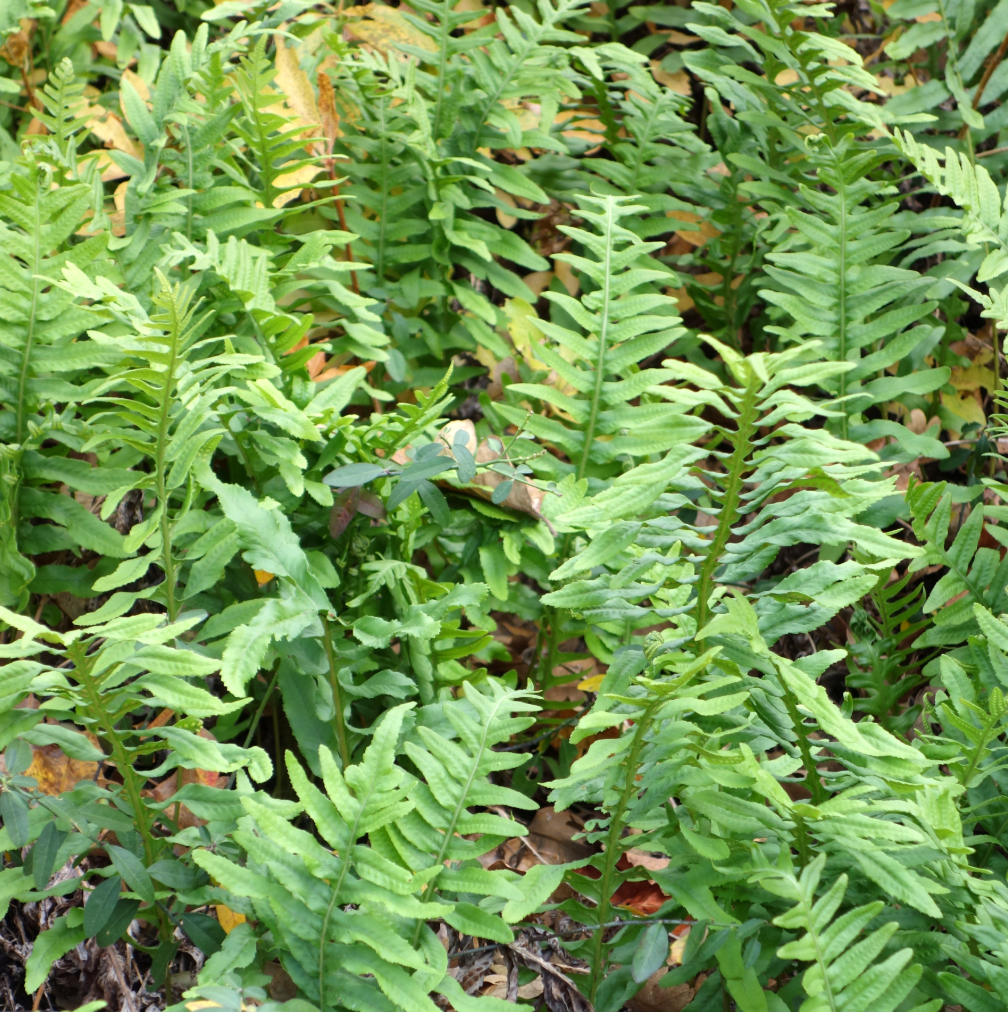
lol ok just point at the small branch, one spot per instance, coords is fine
(991, 67)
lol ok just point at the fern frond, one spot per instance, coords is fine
(596, 365)
(844, 973)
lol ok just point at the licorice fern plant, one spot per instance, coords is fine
(91, 681)
(353, 920)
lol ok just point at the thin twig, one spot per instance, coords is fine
(117, 969)
(991, 67)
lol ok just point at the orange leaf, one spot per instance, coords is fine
(229, 920)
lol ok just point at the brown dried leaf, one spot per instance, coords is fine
(56, 772)
(695, 237)
(652, 997)
(471, 975)
(327, 109)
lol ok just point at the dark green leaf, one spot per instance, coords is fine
(100, 904)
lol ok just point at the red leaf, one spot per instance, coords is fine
(344, 510)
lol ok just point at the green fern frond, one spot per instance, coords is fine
(844, 974)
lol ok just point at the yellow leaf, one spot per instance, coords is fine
(591, 684)
(685, 303)
(695, 237)
(294, 83)
(525, 335)
(678, 949)
(262, 577)
(963, 406)
(972, 378)
(293, 183)
(506, 220)
(566, 276)
(386, 29)
(228, 919)
(108, 127)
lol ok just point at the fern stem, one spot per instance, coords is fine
(442, 66)
(737, 465)
(842, 296)
(612, 848)
(821, 959)
(337, 700)
(164, 419)
(132, 783)
(30, 332)
(811, 770)
(185, 130)
(344, 869)
(603, 337)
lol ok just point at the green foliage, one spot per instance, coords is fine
(415, 417)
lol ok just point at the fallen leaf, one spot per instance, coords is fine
(973, 378)
(524, 498)
(281, 987)
(678, 38)
(677, 81)
(698, 236)
(566, 277)
(506, 220)
(919, 423)
(228, 919)
(109, 129)
(532, 989)
(386, 28)
(652, 997)
(680, 936)
(963, 406)
(471, 974)
(450, 432)
(642, 859)
(643, 898)
(56, 772)
(538, 281)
